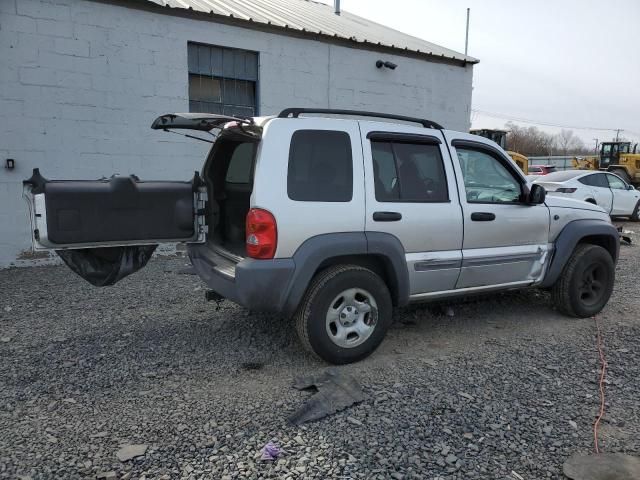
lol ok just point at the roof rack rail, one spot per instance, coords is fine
(295, 113)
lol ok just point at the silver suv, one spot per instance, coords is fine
(333, 218)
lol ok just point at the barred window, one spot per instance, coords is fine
(222, 80)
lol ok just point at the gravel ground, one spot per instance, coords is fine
(505, 385)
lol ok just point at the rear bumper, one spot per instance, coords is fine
(260, 285)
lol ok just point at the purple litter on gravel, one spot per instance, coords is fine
(270, 451)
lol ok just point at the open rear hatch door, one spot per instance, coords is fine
(107, 229)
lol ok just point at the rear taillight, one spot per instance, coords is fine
(262, 234)
(566, 190)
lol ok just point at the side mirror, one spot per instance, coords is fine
(537, 194)
(630, 187)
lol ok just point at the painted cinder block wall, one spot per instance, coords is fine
(81, 81)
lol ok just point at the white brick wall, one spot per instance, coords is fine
(81, 81)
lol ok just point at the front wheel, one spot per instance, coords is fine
(345, 314)
(635, 216)
(586, 283)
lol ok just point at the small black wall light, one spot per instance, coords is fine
(389, 65)
(10, 164)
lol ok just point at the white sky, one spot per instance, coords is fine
(566, 62)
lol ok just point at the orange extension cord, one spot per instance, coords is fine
(603, 369)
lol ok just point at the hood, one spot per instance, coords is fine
(563, 202)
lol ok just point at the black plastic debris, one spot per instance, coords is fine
(603, 466)
(335, 391)
(106, 266)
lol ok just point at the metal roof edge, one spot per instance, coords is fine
(295, 32)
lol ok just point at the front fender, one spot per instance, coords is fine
(594, 231)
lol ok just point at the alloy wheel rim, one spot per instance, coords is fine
(351, 318)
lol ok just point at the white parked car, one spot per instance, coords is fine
(604, 189)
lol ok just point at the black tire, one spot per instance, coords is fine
(635, 216)
(586, 283)
(311, 317)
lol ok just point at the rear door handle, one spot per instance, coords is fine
(387, 216)
(483, 217)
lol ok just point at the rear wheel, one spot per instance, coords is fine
(586, 282)
(345, 314)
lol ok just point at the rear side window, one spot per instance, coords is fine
(408, 172)
(595, 180)
(320, 166)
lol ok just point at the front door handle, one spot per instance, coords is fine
(483, 217)
(387, 216)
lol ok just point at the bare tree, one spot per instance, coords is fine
(529, 140)
(568, 142)
(532, 141)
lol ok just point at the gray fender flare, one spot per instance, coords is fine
(571, 235)
(316, 250)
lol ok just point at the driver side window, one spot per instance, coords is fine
(486, 179)
(616, 183)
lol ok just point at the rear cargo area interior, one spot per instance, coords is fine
(229, 177)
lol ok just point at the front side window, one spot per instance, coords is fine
(615, 183)
(320, 166)
(408, 172)
(486, 179)
(222, 80)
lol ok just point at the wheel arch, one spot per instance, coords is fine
(587, 231)
(378, 264)
(380, 252)
(604, 241)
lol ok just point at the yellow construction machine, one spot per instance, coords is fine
(500, 137)
(614, 157)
